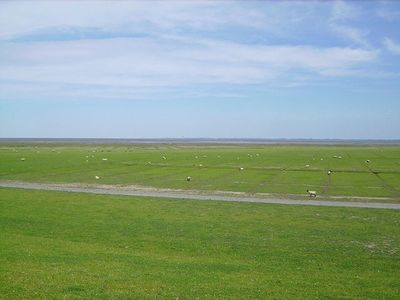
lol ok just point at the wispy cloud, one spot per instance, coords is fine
(179, 44)
(353, 34)
(392, 46)
(343, 11)
(388, 10)
(341, 14)
(167, 62)
(125, 16)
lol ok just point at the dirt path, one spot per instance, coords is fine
(181, 194)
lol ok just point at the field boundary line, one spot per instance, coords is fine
(385, 184)
(143, 192)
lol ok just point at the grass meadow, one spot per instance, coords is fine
(58, 245)
(266, 169)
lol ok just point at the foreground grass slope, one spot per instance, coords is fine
(267, 169)
(59, 245)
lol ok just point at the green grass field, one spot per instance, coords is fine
(78, 246)
(267, 169)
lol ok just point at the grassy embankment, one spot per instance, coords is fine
(65, 246)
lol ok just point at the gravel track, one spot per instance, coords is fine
(179, 194)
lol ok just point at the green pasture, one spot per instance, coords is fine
(58, 245)
(267, 169)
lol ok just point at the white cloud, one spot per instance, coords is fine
(185, 43)
(388, 10)
(342, 11)
(391, 45)
(168, 62)
(341, 14)
(351, 33)
(19, 18)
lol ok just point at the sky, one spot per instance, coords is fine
(206, 69)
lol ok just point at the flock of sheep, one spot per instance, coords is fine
(189, 178)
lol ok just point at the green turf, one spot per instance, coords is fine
(267, 169)
(66, 246)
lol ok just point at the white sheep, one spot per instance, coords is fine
(241, 169)
(367, 161)
(104, 159)
(312, 193)
(188, 178)
(330, 172)
(97, 177)
(22, 158)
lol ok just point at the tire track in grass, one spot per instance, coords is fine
(67, 171)
(92, 168)
(327, 184)
(385, 184)
(395, 192)
(270, 180)
(230, 173)
(164, 176)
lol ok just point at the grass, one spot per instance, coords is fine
(267, 169)
(80, 246)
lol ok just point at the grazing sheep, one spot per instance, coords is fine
(23, 159)
(104, 159)
(188, 178)
(367, 161)
(312, 193)
(241, 169)
(200, 165)
(330, 172)
(97, 177)
(307, 166)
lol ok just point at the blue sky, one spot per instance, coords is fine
(232, 69)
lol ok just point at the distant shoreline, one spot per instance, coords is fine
(202, 141)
